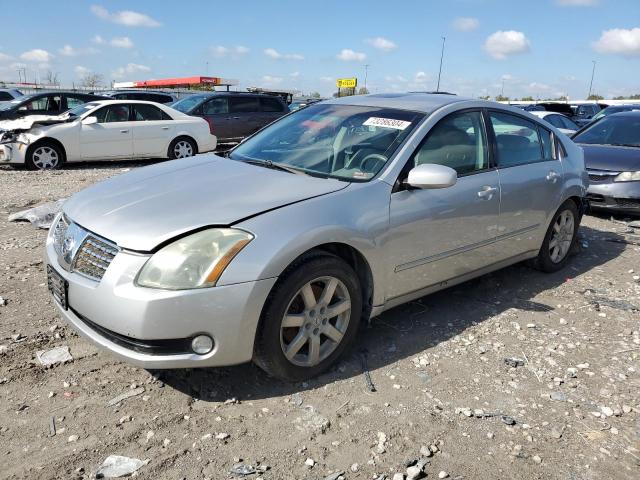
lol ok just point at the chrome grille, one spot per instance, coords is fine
(601, 175)
(94, 257)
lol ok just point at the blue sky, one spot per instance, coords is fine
(542, 48)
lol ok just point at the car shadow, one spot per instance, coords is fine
(409, 329)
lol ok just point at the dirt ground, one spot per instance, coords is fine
(437, 364)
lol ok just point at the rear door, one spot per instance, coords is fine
(111, 136)
(216, 112)
(530, 181)
(244, 116)
(152, 130)
(271, 108)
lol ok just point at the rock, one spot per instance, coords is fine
(398, 476)
(607, 411)
(514, 362)
(242, 469)
(53, 356)
(507, 420)
(150, 435)
(354, 468)
(415, 472)
(583, 366)
(3, 302)
(626, 409)
(382, 440)
(72, 438)
(558, 396)
(125, 419)
(537, 459)
(222, 436)
(425, 451)
(312, 422)
(125, 395)
(443, 474)
(309, 462)
(335, 476)
(116, 466)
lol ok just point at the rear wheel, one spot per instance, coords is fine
(182, 147)
(560, 239)
(44, 156)
(310, 318)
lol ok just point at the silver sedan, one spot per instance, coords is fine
(328, 217)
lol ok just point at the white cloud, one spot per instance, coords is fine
(273, 53)
(5, 58)
(466, 24)
(121, 42)
(382, 44)
(36, 55)
(125, 17)
(348, 55)
(294, 74)
(129, 69)
(501, 44)
(97, 39)
(68, 51)
(577, 3)
(271, 80)
(220, 51)
(81, 71)
(619, 41)
(506, 77)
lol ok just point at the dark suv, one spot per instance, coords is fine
(149, 96)
(233, 116)
(49, 103)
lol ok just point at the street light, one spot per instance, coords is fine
(593, 72)
(441, 57)
(366, 71)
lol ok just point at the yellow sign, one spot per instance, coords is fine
(347, 82)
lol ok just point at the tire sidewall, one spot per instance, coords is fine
(544, 257)
(269, 354)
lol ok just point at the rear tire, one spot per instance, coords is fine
(182, 147)
(44, 156)
(560, 239)
(309, 319)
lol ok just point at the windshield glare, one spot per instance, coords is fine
(12, 104)
(81, 109)
(612, 130)
(186, 104)
(347, 142)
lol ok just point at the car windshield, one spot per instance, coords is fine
(12, 104)
(186, 104)
(351, 143)
(81, 109)
(620, 129)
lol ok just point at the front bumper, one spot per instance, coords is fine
(136, 324)
(623, 197)
(12, 152)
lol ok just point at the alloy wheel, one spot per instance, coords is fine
(183, 149)
(45, 158)
(315, 321)
(562, 237)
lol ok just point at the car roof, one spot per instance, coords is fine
(110, 92)
(630, 113)
(421, 102)
(116, 102)
(546, 113)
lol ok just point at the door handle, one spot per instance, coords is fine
(487, 192)
(124, 131)
(165, 128)
(553, 176)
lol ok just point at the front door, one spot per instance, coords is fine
(440, 234)
(530, 179)
(244, 116)
(110, 137)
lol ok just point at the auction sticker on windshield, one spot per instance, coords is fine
(386, 123)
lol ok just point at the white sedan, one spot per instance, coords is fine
(558, 120)
(104, 130)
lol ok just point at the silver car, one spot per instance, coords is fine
(329, 216)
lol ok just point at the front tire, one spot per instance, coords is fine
(310, 318)
(44, 156)
(560, 239)
(182, 147)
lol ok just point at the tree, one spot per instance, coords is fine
(92, 80)
(315, 95)
(501, 98)
(595, 96)
(363, 91)
(527, 99)
(485, 97)
(51, 78)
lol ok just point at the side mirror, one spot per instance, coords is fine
(90, 120)
(22, 109)
(431, 175)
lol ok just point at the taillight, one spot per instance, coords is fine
(210, 122)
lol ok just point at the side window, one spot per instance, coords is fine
(270, 105)
(215, 106)
(48, 103)
(569, 124)
(146, 113)
(73, 102)
(547, 143)
(113, 113)
(5, 96)
(158, 97)
(517, 140)
(243, 104)
(457, 141)
(555, 120)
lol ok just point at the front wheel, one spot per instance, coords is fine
(182, 147)
(310, 318)
(44, 156)
(560, 239)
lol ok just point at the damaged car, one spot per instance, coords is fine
(103, 130)
(330, 215)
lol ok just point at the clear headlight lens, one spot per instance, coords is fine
(196, 261)
(627, 177)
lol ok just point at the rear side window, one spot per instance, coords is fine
(148, 113)
(215, 106)
(516, 138)
(547, 143)
(243, 104)
(270, 105)
(4, 96)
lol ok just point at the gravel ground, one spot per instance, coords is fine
(571, 386)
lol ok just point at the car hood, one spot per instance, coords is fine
(25, 123)
(609, 157)
(141, 209)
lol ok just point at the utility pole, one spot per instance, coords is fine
(441, 58)
(593, 72)
(366, 71)
(502, 91)
(207, 69)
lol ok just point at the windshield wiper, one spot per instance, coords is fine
(274, 166)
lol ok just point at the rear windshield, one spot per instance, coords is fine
(189, 103)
